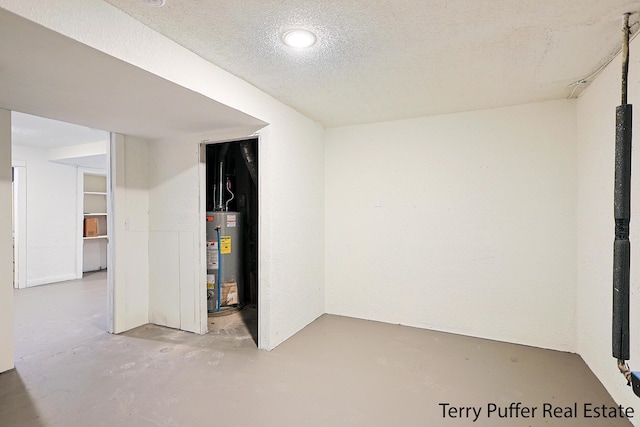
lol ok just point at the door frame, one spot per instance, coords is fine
(19, 213)
(263, 320)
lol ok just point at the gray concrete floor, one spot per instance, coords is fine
(336, 372)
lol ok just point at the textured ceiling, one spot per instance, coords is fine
(379, 60)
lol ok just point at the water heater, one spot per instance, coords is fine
(224, 260)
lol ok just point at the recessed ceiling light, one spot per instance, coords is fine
(299, 38)
(154, 3)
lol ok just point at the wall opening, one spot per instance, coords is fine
(51, 161)
(232, 236)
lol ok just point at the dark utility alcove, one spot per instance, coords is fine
(232, 191)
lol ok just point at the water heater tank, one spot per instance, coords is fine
(224, 260)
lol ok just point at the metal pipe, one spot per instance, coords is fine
(219, 284)
(220, 206)
(622, 245)
(226, 206)
(249, 160)
(221, 156)
(625, 57)
(622, 214)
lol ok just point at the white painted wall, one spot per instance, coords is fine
(291, 251)
(129, 233)
(94, 255)
(596, 148)
(291, 169)
(476, 230)
(6, 248)
(52, 215)
(174, 221)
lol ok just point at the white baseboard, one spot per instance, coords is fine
(53, 279)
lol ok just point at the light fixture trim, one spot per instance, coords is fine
(154, 3)
(299, 38)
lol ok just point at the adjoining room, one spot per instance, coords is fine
(60, 231)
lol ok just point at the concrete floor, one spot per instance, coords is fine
(336, 372)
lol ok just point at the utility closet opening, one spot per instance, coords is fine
(232, 237)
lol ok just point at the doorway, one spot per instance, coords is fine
(232, 216)
(48, 209)
(48, 223)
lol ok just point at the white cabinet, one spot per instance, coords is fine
(94, 218)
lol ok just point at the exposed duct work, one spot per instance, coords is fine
(249, 158)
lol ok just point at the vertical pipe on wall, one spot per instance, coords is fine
(622, 214)
(220, 206)
(625, 57)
